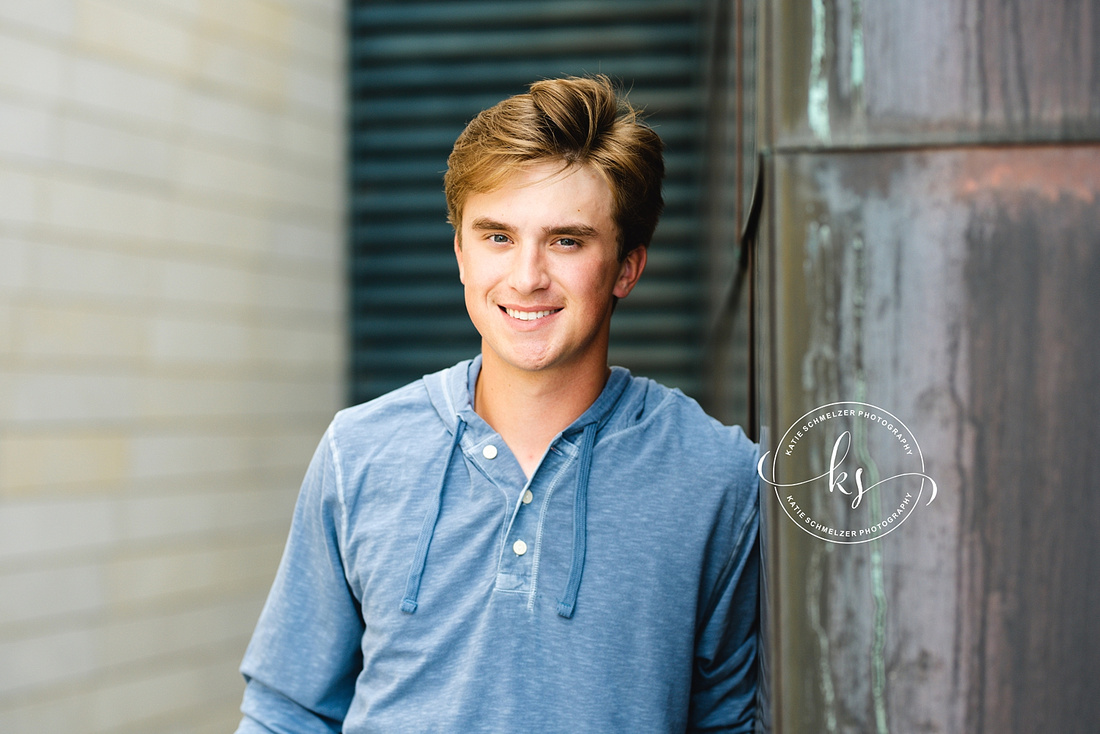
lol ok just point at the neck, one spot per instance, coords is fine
(528, 409)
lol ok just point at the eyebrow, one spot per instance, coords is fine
(486, 224)
(574, 230)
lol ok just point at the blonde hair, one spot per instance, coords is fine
(580, 121)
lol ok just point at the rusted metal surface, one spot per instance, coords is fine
(958, 289)
(930, 244)
(855, 72)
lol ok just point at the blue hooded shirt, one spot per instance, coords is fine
(428, 586)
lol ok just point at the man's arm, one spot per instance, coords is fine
(723, 689)
(304, 657)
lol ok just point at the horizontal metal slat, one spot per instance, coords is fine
(524, 43)
(392, 202)
(378, 16)
(372, 235)
(422, 78)
(654, 356)
(403, 172)
(399, 263)
(664, 295)
(430, 109)
(413, 293)
(404, 140)
(391, 327)
(412, 358)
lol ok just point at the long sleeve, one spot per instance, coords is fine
(302, 662)
(724, 682)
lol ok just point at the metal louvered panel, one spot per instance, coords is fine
(418, 71)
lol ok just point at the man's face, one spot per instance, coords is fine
(539, 260)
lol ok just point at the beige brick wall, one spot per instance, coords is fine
(171, 342)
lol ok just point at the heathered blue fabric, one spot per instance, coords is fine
(662, 637)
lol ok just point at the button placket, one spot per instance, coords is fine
(522, 547)
(519, 553)
(489, 454)
(516, 557)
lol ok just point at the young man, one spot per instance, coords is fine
(530, 540)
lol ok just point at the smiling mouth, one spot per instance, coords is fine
(528, 315)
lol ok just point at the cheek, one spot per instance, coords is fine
(478, 276)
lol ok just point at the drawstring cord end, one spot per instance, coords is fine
(427, 530)
(568, 601)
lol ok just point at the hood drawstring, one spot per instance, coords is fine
(427, 530)
(580, 520)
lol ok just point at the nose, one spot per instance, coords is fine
(529, 273)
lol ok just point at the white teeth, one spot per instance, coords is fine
(526, 315)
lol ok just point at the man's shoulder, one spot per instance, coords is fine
(399, 403)
(675, 425)
(428, 397)
(405, 413)
(679, 461)
(669, 407)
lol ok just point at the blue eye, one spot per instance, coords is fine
(498, 238)
(568, 242)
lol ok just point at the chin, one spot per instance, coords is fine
(525, 361)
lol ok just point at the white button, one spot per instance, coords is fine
(519, 547)
(527, 497)
(489, 452)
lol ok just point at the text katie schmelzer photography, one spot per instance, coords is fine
(865, 468)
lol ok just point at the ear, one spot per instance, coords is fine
(629, 272)
(458, 256)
